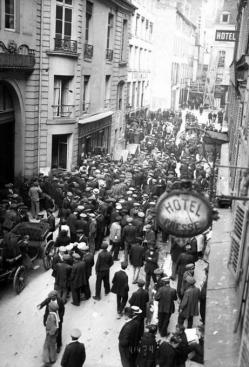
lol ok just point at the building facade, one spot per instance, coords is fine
(238, 117)
(19, 88)
(140, 55)
(222, 37)
(175, 56)
(63, 78)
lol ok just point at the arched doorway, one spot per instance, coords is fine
(7, 134)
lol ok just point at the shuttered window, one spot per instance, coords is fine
(237, 239)
(244, 348)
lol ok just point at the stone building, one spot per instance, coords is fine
(140, 57)
(175, 56)
(63, 74)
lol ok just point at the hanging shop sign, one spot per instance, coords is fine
(225, 36)
(183, 213)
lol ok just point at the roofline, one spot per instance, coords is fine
(125, 5)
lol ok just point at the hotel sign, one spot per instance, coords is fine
(183, 213)
(225, 36)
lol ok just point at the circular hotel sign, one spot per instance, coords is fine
(183, 213)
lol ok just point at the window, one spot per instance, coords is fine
(109, 31)
(9, 21)
(59, 151)
(138, 93)
(107, 91)
(63, 24)
(140, 59)
(89, 13)
(221, 59)
(85, 99)
(136, 24)
(225, 17)
(150, 31)
(133, 96)
(128, 95)
(120, 91)
(62, 106)
(124, 41)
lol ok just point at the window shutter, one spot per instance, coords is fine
(237, 235)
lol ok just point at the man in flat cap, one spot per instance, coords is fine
(74, 354)
(78, 278)
(140, 298)
(62, 271)
(189, 306)
(102, 268)
(166, 295)
(189, 271)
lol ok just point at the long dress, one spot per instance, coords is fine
(49, 348)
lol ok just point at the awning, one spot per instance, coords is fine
(96, 117)
(213, 137)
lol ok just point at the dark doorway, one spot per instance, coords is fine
(7, 136)
(59, 151)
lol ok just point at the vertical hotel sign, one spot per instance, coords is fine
(225, 35)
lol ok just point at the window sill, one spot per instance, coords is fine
(87, 60)
(61, 121)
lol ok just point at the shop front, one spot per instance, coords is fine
(94, 135)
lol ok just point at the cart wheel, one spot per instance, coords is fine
(48, 255)
(19, 279)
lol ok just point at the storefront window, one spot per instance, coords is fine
(59, 151)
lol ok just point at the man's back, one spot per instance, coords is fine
(74, 355)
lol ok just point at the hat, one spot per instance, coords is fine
(52, 294)
(136, 310)
(152, 328)
(83, 246)
(129, 219)
(189, 266)
(190, 280)
(140, 282)
(76, 333)
(76, 256)
(141, 214)
(165, 279)
(118, 206)
(69, 194)
(69, 247)
(132, 189)
(62, 249)
(104, 245)
(92, 215)
(53, 306)
(83, 215)
(80, 207)
(96, 191)
(66, 257)
(136, 204)
(152, 203)
(128, 192)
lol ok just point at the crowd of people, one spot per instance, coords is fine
(107, 212)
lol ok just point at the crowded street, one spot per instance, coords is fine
(124, 183)
(96, 317)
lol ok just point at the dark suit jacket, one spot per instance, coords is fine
(74, 355)
(137, 255)
(62, 274)
(89, 260)
(104, 261)
(120, 283)
(140, 299)
(166, 355)
(166, 297)
(189, 304)
(78, 275)
(151, 258)
(129, 334)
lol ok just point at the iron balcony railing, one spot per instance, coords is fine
(62, 110)
(109, 54)
(88, 51)
(65, 44)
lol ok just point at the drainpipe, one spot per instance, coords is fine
(40, 90)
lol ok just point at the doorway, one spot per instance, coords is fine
(7, 135)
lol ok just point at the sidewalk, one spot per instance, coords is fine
(221, 344)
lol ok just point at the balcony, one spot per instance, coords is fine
(62, 111)
(88, 51)
(107, 104)
(108, 54)
(85, 107)
(65, 45)
(13, 58)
